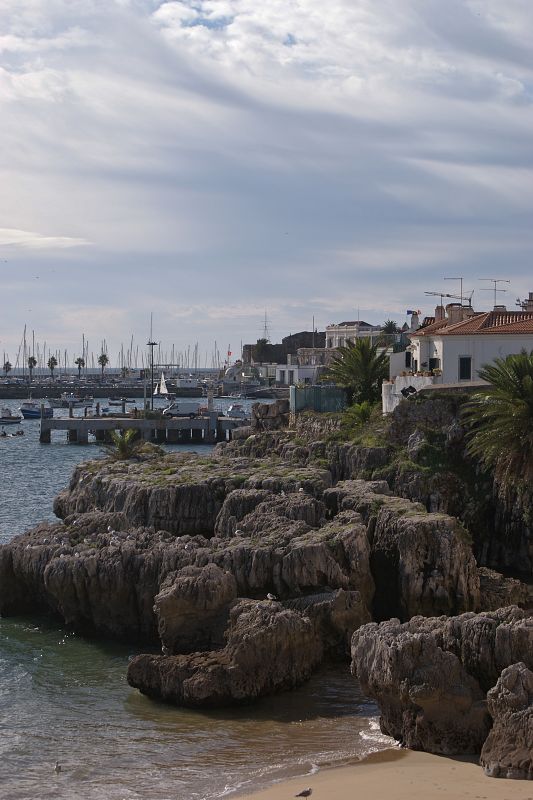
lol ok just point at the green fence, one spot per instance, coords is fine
(317, 398)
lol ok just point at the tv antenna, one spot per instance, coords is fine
(453, 296)
(495, 289)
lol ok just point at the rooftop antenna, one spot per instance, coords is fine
(453, 296)
(495, 281)
(461, 281)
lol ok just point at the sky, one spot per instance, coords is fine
(213, 160)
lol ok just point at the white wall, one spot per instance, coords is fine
(482, 349)
(391, 391)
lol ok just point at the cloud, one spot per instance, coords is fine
(226, 157)
(10, 237)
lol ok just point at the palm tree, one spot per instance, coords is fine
(7, 367)
(32, 363)
(389, 326)
(500, 417)
(103, 360)
(80, 363)
(361, 368)
(125, 445)
(52, 364)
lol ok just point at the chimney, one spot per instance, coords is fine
(500, 308)
(527, 305)
(439, 313)
(454, 312)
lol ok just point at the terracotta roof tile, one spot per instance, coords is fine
(481, 323)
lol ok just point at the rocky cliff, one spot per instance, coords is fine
(431, 676)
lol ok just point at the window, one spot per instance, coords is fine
(408, 359)
(282, 376)
(465, 368)
(330, 342)
(291, 377)
(434, 363)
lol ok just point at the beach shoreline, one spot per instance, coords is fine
(400, 774)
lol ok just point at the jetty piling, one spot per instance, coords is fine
(207, 429)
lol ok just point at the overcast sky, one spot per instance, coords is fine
(208, 160)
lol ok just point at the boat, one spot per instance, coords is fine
(31, 409)
(8, 418)
(69, 399)
(120, 401)
(161, 389)
(237, 411)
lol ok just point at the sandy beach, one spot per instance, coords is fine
(401, 775)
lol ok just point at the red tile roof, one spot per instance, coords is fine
(481, 323)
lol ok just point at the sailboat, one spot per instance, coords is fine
(161, 389)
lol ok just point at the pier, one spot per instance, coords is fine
(207, 429)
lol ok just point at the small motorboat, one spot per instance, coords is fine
(30, 409)
(237, 411)
(8, 418)
(68, 399)
(120, 401)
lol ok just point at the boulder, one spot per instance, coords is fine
(508, 750)
(427, 699)
(430, 675)
(269, 648)
(192, 608)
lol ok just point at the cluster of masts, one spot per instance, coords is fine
(33, 356)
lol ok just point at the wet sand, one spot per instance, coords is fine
(402, 775)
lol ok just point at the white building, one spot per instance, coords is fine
(294, 374)
(345, 332)
(452, 348)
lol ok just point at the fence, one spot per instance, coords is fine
(316, 398)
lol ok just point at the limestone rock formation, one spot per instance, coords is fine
(430, 675)
(508, 750)
(422, 563)
(192, 608)
(268, 648)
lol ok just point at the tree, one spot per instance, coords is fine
(126, 444)
(52, 364)
(500, 418)
(260, 350)
(389, 326)
(7, 367)
(32, 363)
(103, 360)
(80, 363)
(360, 368)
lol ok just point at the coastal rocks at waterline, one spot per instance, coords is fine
(268, 648)
(508, 750)
(430, 675)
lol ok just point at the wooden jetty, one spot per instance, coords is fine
(206, 429)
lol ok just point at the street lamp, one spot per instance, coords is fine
(151, 345)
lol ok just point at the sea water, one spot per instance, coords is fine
(65, 698)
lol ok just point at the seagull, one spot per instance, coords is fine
(305, 793)
(271, 596)
(57, 768)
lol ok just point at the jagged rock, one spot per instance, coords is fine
(498, 591)
(235, 507)
(430, 675)
(269, 648)
(270, 416)
(336, 615)
(508, 750)
(415, 444)
(192, 608)
(422, 563)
